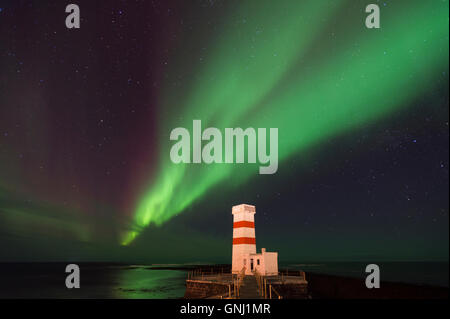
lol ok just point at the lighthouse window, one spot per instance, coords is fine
(245, 261)
(257, 262)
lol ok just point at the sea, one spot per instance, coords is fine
(122, 281)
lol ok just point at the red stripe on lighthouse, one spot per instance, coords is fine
(244, 240)
(244, 223)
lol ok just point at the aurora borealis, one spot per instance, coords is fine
(362, 118)
(306, 111)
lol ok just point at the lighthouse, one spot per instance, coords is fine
(244, 242)
(244, 245)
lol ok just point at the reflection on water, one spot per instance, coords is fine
(144, 283)
(102, 281)
(106, 281)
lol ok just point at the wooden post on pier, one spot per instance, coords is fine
(265, 288)
(261, 286)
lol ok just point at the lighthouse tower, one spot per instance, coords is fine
(244, 243)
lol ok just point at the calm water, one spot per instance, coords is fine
(422, 273)
(97, 281)
(39, 280)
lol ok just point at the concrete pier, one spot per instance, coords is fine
(201, 285)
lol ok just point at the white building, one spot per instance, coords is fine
(244, 245)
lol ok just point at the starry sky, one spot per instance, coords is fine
(86, 115)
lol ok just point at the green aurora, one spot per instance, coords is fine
(282, 66)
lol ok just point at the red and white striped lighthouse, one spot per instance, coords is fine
(244, 242)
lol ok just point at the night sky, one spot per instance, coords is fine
(86, 114)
